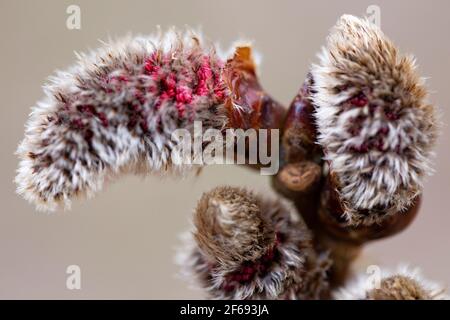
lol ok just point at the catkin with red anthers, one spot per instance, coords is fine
(246, 246)
(117, 109)
(114, 112)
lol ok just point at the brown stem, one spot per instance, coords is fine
(301, 182)
(299, 130)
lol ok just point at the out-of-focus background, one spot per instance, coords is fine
(124, 240)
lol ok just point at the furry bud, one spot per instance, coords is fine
(374, 124)
(404, 284)
(231, 228)
(250, 247)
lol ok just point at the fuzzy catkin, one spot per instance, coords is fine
(246, 246)
(404, 283)
(374, 123)
(114, 112)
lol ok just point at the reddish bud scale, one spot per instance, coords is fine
(248, 105)
(299, 129)
(360, 100)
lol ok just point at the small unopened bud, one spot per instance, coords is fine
(251, 247)
(403, 284)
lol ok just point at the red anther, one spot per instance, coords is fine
(183, 95)
(144, 126)
(248, 270)
(89, 109)
(363, 147)
(359, 100)
(219, 93)
(77, 123)
(150, 66)
(103, 119)
(383, 131)
(391, 115)
(121, 78)
(88, 135)
(379, 144)
(204, 74)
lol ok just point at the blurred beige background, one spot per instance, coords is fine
(124, 239)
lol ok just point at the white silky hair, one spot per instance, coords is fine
(75, 170)
(359, 58)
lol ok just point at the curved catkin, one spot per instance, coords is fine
(247, 246)
(402, 284)
(374, 123)
(114, 112)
